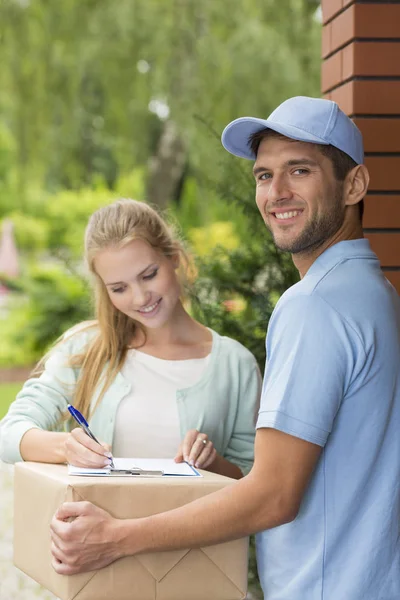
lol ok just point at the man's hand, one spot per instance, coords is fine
(84, 538)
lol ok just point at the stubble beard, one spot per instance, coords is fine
(319, 229)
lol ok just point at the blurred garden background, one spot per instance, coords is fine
(101, 99)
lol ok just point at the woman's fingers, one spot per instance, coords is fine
(206, 458)
(179, 455)
(79, 436)
(203, 452)
(107, 447)
(82, 451)
(196, 449)
(199, 446)
(188, 442)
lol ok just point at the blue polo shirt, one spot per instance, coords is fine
(333, 378)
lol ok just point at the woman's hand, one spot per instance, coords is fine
(197, 450)
(82, 451)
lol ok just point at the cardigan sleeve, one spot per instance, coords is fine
(42, 401)
(240, 449)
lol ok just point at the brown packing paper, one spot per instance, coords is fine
(213, 573)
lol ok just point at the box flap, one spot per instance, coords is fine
(160, 563)
(197, 567)
(128, 578)
(124, 579)
(228, 557)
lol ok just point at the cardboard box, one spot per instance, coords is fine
(214, 573)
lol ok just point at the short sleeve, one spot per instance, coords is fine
(311, 352)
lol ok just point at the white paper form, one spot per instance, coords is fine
(167, 465)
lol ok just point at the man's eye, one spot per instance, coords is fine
(301, 171)
(265, 176)
(151, 275)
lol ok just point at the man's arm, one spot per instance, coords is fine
(269, 496)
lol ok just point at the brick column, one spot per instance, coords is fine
(361, 72)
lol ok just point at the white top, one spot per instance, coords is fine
(147, 421)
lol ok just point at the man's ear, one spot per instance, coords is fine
(356, 185)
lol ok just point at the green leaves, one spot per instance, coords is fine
(236, 290)
(76, 98)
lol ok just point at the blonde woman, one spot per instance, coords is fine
(151, 380)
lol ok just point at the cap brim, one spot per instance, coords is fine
(235, 137)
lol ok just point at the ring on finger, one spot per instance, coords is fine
(204, 441)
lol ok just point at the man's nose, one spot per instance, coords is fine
(279, 189)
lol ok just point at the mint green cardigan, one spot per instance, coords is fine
(223, 403)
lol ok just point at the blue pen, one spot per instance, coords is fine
(80, 419)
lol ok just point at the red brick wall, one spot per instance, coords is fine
(361, 72)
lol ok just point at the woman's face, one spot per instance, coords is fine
(141, 282)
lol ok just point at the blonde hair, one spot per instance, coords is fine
(114, 226)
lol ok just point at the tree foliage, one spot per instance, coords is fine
(92, 92)
(81, 79)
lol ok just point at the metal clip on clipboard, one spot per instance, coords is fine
(137, 471)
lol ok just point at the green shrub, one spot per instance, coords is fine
(52, 300)
(31, 233)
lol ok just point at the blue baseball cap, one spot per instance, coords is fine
(300, 118)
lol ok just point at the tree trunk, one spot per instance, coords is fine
(166, 167)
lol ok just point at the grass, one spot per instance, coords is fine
(8, 391)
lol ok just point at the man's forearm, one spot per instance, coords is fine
(269, 496)
(236, 511)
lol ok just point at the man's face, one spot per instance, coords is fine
(297, 194)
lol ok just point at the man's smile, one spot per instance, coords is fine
(286, 215)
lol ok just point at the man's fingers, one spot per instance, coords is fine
(64, 557)
(57, 553)
(62, 568)
(71, 509)
(59, 531)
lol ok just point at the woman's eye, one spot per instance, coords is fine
(118, 290)
(151, 275)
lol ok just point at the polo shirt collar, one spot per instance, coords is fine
(345, 250)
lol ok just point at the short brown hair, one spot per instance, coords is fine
(342, 163)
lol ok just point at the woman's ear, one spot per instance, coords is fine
(356, 185)
(176, 260)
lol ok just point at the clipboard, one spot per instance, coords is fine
(136, 471)
(139, 467)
